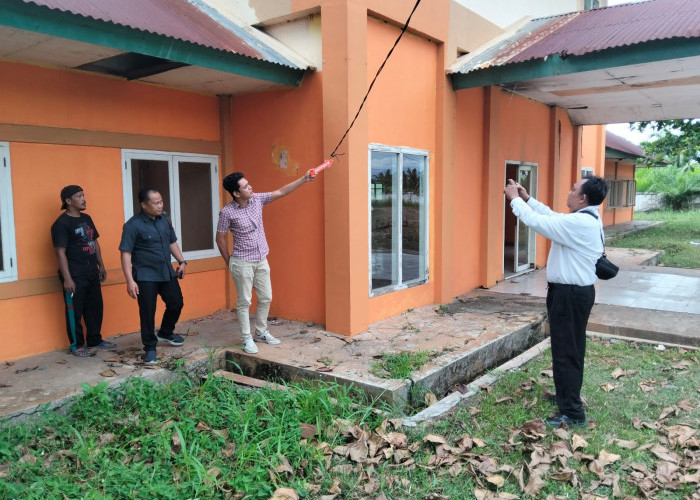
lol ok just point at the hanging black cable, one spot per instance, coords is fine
(403, 30)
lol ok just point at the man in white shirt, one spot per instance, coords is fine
(577, 244)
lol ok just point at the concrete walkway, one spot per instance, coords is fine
(642, 301)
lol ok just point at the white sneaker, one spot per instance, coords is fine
(267, 338)
(249, 346)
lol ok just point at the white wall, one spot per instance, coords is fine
(503, 13)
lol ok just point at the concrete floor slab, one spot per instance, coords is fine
(469, 337)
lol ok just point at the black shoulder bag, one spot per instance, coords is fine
(604, 269)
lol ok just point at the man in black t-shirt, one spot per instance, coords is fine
(80, 270)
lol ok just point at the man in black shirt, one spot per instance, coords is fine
(148, 241)
(80, 270)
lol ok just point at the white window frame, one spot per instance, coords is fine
(586, 172)
(7, 223)
(173, 159)
(399, 227)
(631, 193)
(622, 193)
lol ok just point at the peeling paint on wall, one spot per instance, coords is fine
(281, 158)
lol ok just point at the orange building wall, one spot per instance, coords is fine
(521, 131)
(52, 98)
(469, 200)
(401, 112)
(593, 148)
(72, 99)
(263, 125)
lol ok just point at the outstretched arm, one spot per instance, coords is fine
(292, 186)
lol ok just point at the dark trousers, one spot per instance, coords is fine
(171, 294)
(87, 306)
(568, 308)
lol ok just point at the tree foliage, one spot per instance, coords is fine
(675, 155)
(676, 142)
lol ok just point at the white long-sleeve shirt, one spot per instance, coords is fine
(576, 240)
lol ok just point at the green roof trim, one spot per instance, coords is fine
(621, 155)
(555, 65)
(40, 19)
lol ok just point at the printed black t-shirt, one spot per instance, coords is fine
(78, 236)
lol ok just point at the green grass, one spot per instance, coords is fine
(673, 237)
(399, 365)
(497, 421)
(217, 440)
(174, 441)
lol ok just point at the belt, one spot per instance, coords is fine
(564, 285)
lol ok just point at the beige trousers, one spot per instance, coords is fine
(248, 276)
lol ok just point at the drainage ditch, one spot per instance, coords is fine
(452, 368)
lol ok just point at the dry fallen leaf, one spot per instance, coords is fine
(578, 442)
(177, 445)
(608, 458)
(108, 373)
(564, 475)
(682, 365)
(430, 398)
(665, 454)
(534, 485)
(342, 469)
(628, 445)
(690, 478)
(685, 405)
(534, 429)
(679, 435)
(646, 386)
(497, 480)
(607, 387)
(668, 411)
(308, 430)
(435, 438)
(107, 438)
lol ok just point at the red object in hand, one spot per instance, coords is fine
(324, 165)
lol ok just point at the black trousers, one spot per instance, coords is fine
(88, 307)
(568, 308)
(171, 294)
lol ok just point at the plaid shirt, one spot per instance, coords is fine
(246, 225)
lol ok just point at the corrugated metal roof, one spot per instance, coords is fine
(177, 19)
(618, 143)
(580, 33)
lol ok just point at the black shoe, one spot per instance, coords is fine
(150, 358)
(173, 338)
(560, 420)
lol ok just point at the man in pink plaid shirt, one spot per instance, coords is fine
(248, 262)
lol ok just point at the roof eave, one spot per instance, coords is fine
(555, 65)
(616, 154)
(40, 19)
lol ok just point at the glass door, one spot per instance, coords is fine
(524, 248)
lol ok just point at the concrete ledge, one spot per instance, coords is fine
(666, 327)
(199, 363)
(443, 373)
(448, 403)
(265, 369)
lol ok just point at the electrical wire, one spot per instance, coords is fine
(403, 30)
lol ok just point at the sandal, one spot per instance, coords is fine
(83, 352)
